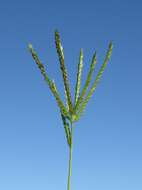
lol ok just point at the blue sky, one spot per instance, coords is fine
(108, 139)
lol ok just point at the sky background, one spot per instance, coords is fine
(107, 151)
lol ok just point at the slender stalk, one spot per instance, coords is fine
(70, 160)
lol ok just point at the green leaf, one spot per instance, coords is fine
(63, 69)
(79, 72)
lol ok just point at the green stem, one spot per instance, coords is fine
(70, 160)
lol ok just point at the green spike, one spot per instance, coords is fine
(63, 69)
(37, 61)
(98, 77)
(89, 76)
(50, 83)
(79, 72)
(67, 106)
(58, 99)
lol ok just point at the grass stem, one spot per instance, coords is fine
(70, 160)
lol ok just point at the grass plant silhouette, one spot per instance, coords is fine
(72, 110)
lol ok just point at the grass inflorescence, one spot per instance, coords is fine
(72, 111)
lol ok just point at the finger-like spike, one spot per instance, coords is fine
(79, 72)
(50, 83)
(88, 80)
(98, 77)
(37, 61)
(66, 99)
(63, 69)
(58, 99)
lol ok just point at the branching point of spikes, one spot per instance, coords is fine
(72, 113)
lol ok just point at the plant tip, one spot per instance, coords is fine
(30, 46)
(56, 32)
(110, 45)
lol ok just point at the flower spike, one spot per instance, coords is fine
(63, 70)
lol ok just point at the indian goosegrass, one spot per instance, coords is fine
(73, 109)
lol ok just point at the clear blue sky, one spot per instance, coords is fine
(107, 151)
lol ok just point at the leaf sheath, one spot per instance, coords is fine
(67, 130)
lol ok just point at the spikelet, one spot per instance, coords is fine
(99, 75)
(50, 83)
(89, 76)
(79, 72)
(58, 99)
(67, 129)
(67, 106)
(37, 61)
(63, 69)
